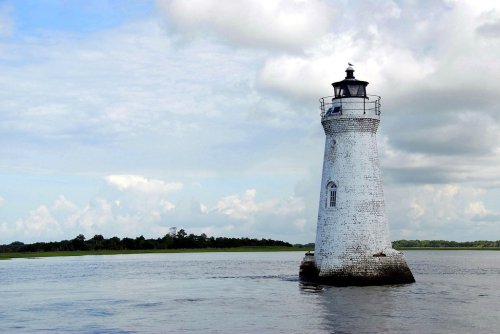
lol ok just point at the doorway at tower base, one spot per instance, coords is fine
(369, 269)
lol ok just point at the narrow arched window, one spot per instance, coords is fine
(331, 201)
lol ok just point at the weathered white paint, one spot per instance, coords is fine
(351, 233)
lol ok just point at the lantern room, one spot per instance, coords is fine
(350, 86)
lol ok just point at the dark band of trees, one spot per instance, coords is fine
(181, 240)
(170, 241)
(445, 244)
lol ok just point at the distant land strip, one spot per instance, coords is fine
(173, 242)
(17, 255)
(440, 244)
(181, 242)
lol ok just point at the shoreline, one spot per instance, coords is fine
(27, 255)
(448, 248)
(31, 255)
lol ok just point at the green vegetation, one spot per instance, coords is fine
(309, 246)
(444, 244)
(172, 242)
(8, 256)
(449, 248)
(181, 242)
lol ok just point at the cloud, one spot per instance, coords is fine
(62, 204)
(490, 24)
(127, 205)
(225, 94)
(470, 133)
(310, 76)
(64, 220)
(239, 207)
(440, 165)
(283, 218)
(478, 212)
(273, 24)
(422, 174)
(134, 99)
(476, 209)
(40, 224)
(167, 206)
(246, 208)
(451, 211)
(141, 184)
(441, 118)
(132, 215)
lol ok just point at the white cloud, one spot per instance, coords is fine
(309, 76)
(40, 224)
(271, 24)
(478, 212)
(141, 184)
(203, 208)
(167, 206)
(62, 204)
(209, 107)
(239, 207)
(451, 211)
(476, 208)
(139, 213)
(417, 210)
(96, 217)
(246, 207)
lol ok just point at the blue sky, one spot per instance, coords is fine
(35, 16)
(128, 117)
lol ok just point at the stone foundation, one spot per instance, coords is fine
(375, 269)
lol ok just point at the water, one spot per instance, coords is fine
(456, 292)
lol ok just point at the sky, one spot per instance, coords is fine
(125, 118)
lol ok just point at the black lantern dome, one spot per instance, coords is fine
(350, 86)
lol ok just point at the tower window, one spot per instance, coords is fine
(332, 195)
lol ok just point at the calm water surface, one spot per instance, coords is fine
(456, 292)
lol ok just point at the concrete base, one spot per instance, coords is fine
(372, 270)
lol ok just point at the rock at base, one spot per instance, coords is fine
(375, 270)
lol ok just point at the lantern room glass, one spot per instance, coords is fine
(350, 91)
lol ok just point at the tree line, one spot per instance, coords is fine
(172, 240)
(180, 239)
(445, 244)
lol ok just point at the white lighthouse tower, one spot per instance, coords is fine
(352, 237)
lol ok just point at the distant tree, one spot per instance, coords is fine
(128, 243)
(202, 241)
(167, 241)
(112, 243)
(96, 243)
(181, 234)
(178, 240)
(78, 243)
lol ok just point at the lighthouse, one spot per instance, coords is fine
(352, 236)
